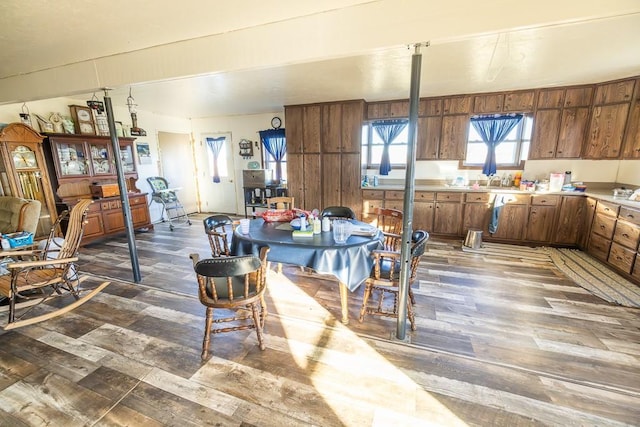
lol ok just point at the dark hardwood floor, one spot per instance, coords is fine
(502, 340)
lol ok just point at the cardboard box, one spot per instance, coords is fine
(104, 190)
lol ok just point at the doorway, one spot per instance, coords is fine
(176, 157)
(218, 196)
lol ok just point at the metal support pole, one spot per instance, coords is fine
(124, 198)
(409, 185)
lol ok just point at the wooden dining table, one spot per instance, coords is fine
(349, 262)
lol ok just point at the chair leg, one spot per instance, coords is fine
(411, 315)
(258, 324)
(207, 333)
(365, 300)
(411, 297)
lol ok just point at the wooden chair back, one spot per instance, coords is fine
(232, 283)
(281, 202)
(217, 228)
(389, 221)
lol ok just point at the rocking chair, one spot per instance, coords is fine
(37, 276)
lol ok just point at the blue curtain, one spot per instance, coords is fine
(493, 130)
(275, 143)
(388, 130)
(215, 145)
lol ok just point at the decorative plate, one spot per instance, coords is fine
(253, 165)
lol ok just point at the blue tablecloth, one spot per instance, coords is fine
(350, 263)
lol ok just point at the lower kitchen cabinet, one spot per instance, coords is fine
(423, 208)
(587, 220)
(371, 199)
(476, 212)
(541, 220)
(513, 217)
(447, 218)
(570, 222)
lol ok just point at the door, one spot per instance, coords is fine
(218, 196)
(176, 157)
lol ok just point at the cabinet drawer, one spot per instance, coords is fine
(604, 225)
(477, 197)
(599, 246)
(114, 204)
(621, 257)
(448, 197)
(104, 206)
(138, 200)
(636, 268)
(545, 200)
(627, 234)
(424, 196)
(394, 195)
(629, 214)
(606, 208)
(372, 194)
(516, 199)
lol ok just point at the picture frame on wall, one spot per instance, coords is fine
(144, 153)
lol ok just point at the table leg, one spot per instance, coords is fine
(344, 303)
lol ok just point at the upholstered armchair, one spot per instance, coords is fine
(17, 214)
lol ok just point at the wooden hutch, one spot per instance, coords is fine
(83, 166)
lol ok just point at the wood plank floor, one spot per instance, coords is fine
(501, 341)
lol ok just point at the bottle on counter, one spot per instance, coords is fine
(567, 178)
(326, 224)
(317, 227)
(517, 178)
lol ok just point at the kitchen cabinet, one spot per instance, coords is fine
(453, 140)
(578, 96)
(606, 131)
(519, 102)
(447, 218)
(541, 220)
(477, 212)
(388, 110)
(394, 199)
(488, 103)
(423, 210)
(602, 229)
(428, 107)
(573, 131)
(371, 199)
(587, 221)
(614, 92)
(513, 218)
(456, 105)
(570, 220)
(429, 130)
(24, 171)
(324, 166)
(546, 126)
(550, 98)
(631, 146)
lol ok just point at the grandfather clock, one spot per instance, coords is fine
(23, 171)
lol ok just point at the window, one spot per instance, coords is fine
(509, 152)
(270, 164)
(372, 148)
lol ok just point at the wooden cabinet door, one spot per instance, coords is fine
(571, 218)
(540, 223)
(585, 229)
(428, 137)
(294, 130)
(491, 103)
(377, 110)
(93, 227)
(295, 177)
(113, 220)
(546, 125)
(331, 136)
(453, 142)
(550, 98)
(519, 102)
(312, 125)
(371, 199)
(476, 216)
(423, 216)
(350, 194)
(430, 107)
(608, 93)
(456, 105)
(606, 131)
(573, 132)
(511, 222)
(399, 109)
(579, 96)
(311, 182)
(351, 134)
(331, 181)
(447, 218)
(631, 148)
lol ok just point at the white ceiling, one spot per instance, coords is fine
(201, 58)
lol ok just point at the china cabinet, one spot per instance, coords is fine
(80, 164)
(23, 171)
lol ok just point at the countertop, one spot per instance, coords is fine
(605, 195)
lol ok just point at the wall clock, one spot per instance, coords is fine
(276, 122)
(83, 119)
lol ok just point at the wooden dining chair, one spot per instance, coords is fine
(217, 229)
(338, 212)
(389, 221)
(385, 279)
(235, 283)
(281, 202)
(39, 275)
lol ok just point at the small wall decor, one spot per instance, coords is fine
(144, 153)
(246, 149)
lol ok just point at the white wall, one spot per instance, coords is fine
(240, 127)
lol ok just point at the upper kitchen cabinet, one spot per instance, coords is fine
(606, 131)
(519, 102)
(24, 173)
(453, 140)
(388, 110)
(615, 92)
(560, 122)
(488, 103)
(456, 105)
(429, 107)
(303, 128)
(631, 148)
